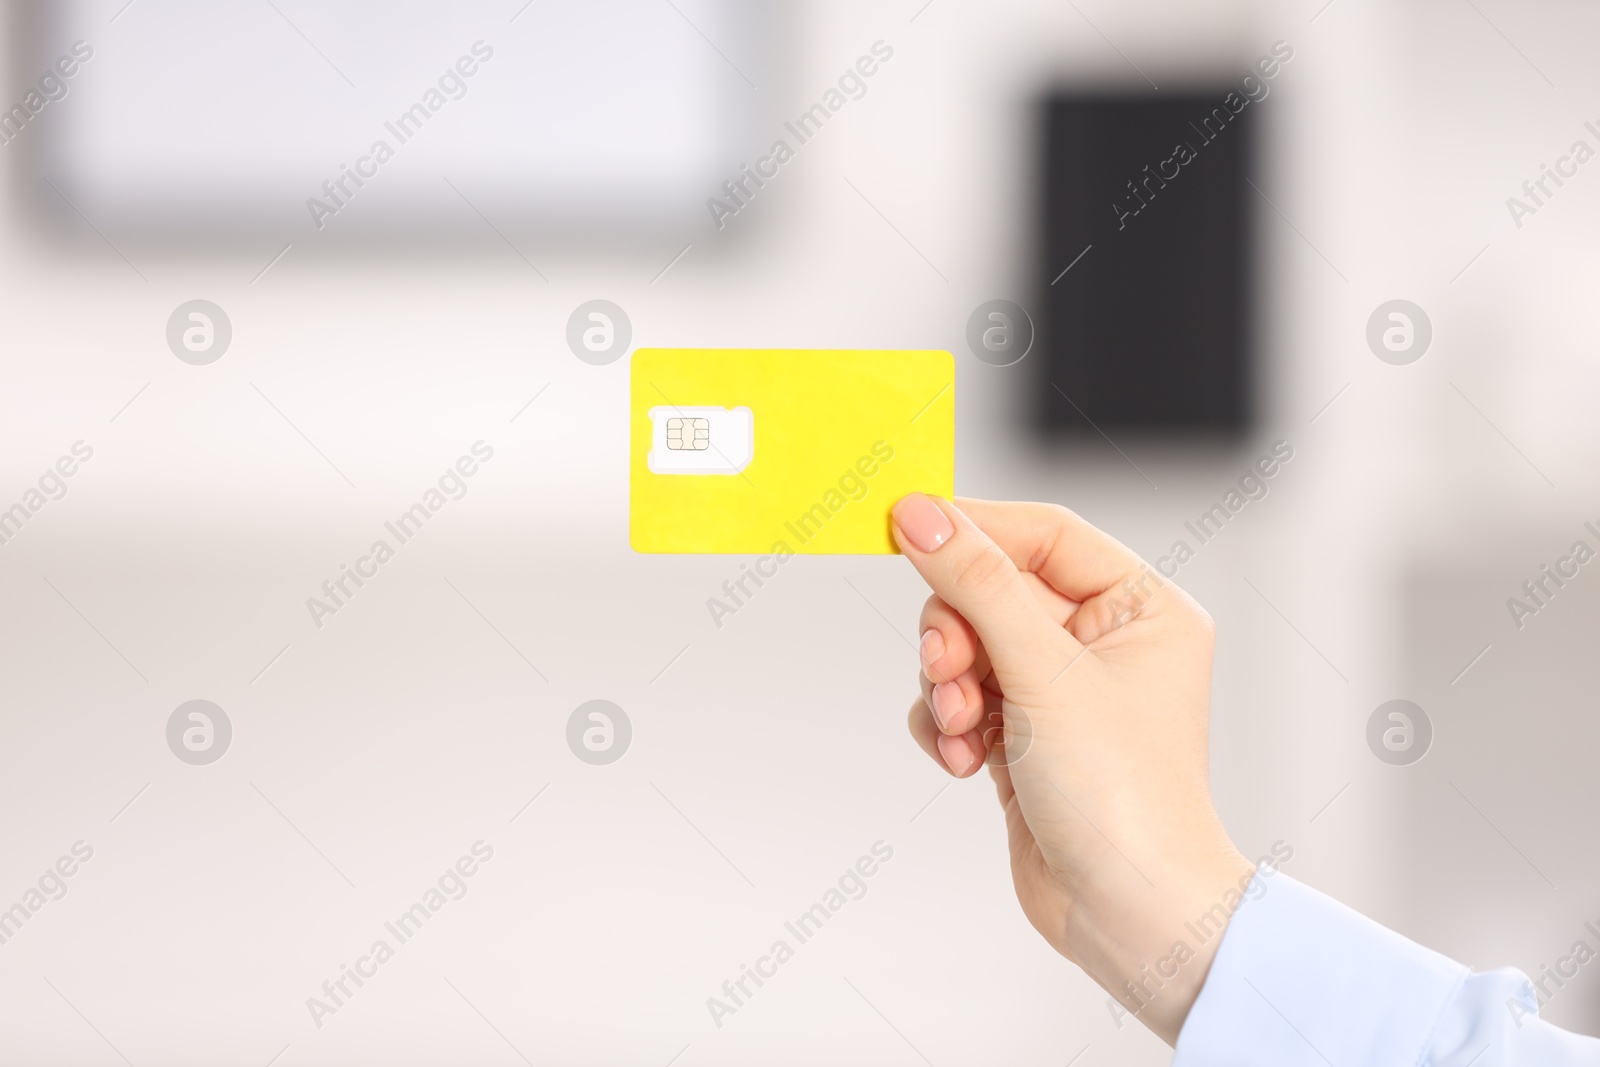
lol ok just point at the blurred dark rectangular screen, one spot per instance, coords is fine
(1150, 327)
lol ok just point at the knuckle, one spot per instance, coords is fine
(1198, 623)
(983, 573)
(1202, 618)
(1059, 514)
(1056, 519)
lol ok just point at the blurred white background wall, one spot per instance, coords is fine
(770, 753)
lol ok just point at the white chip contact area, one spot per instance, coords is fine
(701, 440)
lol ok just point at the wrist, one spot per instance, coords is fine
(1148, 938)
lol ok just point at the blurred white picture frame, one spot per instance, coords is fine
(396, 122)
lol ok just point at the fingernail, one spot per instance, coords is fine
(923, 524)
(932, 646)
(947, 701)
(957, 755)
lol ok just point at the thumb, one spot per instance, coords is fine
(976, 577)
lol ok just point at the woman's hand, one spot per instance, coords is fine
(1057, 656)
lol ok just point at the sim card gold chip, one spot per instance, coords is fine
(688, 435)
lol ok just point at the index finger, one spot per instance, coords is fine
(1075, 557)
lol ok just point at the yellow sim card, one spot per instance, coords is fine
(784, 450)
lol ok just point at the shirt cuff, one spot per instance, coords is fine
(1301, 979)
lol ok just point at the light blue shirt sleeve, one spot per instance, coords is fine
(1301, 979)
